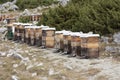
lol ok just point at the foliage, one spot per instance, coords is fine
(24, 19)
(3, 1)
(99, 16)
(23, 4)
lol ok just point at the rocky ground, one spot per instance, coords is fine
(23, 62)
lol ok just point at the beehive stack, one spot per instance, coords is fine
(10, 29)
(75, 44)
(89, 45)
(59, 40)
(48, 39)
(67, 42)
(38, 35)
(93, 46)
(27, 35)
(17, 31)
(30, 34)
(22, 29)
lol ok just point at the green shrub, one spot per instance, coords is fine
(99, 16)
(23, 4)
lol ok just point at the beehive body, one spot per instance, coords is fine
(59, 41)
(75, 45)
(84, 51)
(17, 33)
(27, 35)
(90, 46)
(10, 32)
(67, 43)
(48, 39)
(93, 47)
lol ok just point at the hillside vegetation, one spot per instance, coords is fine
(29, 4)
(23, 4)
(3, 1)
(99, 16)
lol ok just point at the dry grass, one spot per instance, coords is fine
(92, 71)
(102, 77)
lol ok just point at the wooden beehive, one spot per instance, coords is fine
(75, 44)
(59, 40)
(48, 37)
(22, 30)
(38, 35)
(27, 35)
(93, 46)
(67, 42)
(90, 45)
(10, 29)
(17, 31)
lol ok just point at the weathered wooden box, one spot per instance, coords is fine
(75, 44)
(23, 31)
(17, 31)
(30, 34)
(38, 35)
(93, 46)
(67, 42)
(59, 40)
(48, 37)
(89, 45)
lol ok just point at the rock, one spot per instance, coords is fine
(14, 1)
(13, 8)
(17, 56)
(116, 37)
(28, 67)
(43, 78)
(68, 66)
(26, 12)
(112, 49)
(14, 77)
(40, 64)
(34, 74)
(51, 71)
(15, 65)
(2, 30)
(104, 39)
(8, 6)
(63, 2)
(2, 54)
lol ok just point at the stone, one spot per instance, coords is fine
(116, 37)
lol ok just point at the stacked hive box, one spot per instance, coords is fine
(48, 39)
(38, 35)
(67, 42)
(83, 45)
(30, 34)
(75, 44)
(17, 31)
(10, 29)
(93, 46)
(27, 34)
(59, 40)
(89, 45)
(23, 31)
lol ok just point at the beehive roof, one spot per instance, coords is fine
(48, 29)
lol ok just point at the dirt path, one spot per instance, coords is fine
(23, 62)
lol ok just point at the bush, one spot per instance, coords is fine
(3, 1)
(23, 4)
(99, 16)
